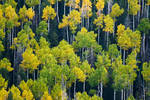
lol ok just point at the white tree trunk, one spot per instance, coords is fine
(124, 56)
(98, 35)
(122, 94)
(39, 10)
(143, 46)
(67, 35)
(101, 89)
(133, 23)
(114, 94)
(75, 90)
(84, 86)
(57, 12)
(48, 25)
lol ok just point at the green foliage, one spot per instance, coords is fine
(37, 87)
(145, 71)
(42, 29)
(85, 96)
(85, 39)
(32, 3)
(113, 51)
(144, 25)
(131, 98)
(56, 92)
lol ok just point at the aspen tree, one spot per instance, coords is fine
(48, 14)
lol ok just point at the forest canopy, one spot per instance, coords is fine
(74, 50)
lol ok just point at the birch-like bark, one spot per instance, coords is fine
(139, 13)
(143, 46)
(124, 55)
(84, 86)
(48, 25)
(64, 7)
(147, 11)
(98, 35)
(114, 94)
(67, 35)
(57, 11)
(122, 94)
(133, 23)
(39, 10)
(101, 89)
(143, 7)
(75, 90)
(98, 88)
(107, 40)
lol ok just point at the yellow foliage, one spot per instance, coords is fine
(109, 24)
(86, 9)
(27, 95)
(30, 13)
(99, 21)
(72, 20)
(30, 61)
(23, 14)
(11, 15)
(100, 5)
(1, 13)
(48, 13)
(52, 2)
(79, 74)
(3, 94)
(134, 7)
(116, 11)
(16, 93)
(120, 30)
(46, 96)
(5, 63)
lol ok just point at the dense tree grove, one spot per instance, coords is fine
(74, 50)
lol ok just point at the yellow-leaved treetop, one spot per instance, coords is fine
(11, 16)
(26, 94)
(99, 24)
(100, 6)
(86, 9)
(120, 30)
(30, 60)
(73, 4)
(23, 14)
(30, 13)
(46, 96)
(5, 63)
(72, 20)
(48, 14)
(16, 93)
(109, 24)
(134, 7)
(3, 82)
(116, 10)
(79, 74)
(3, 94)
